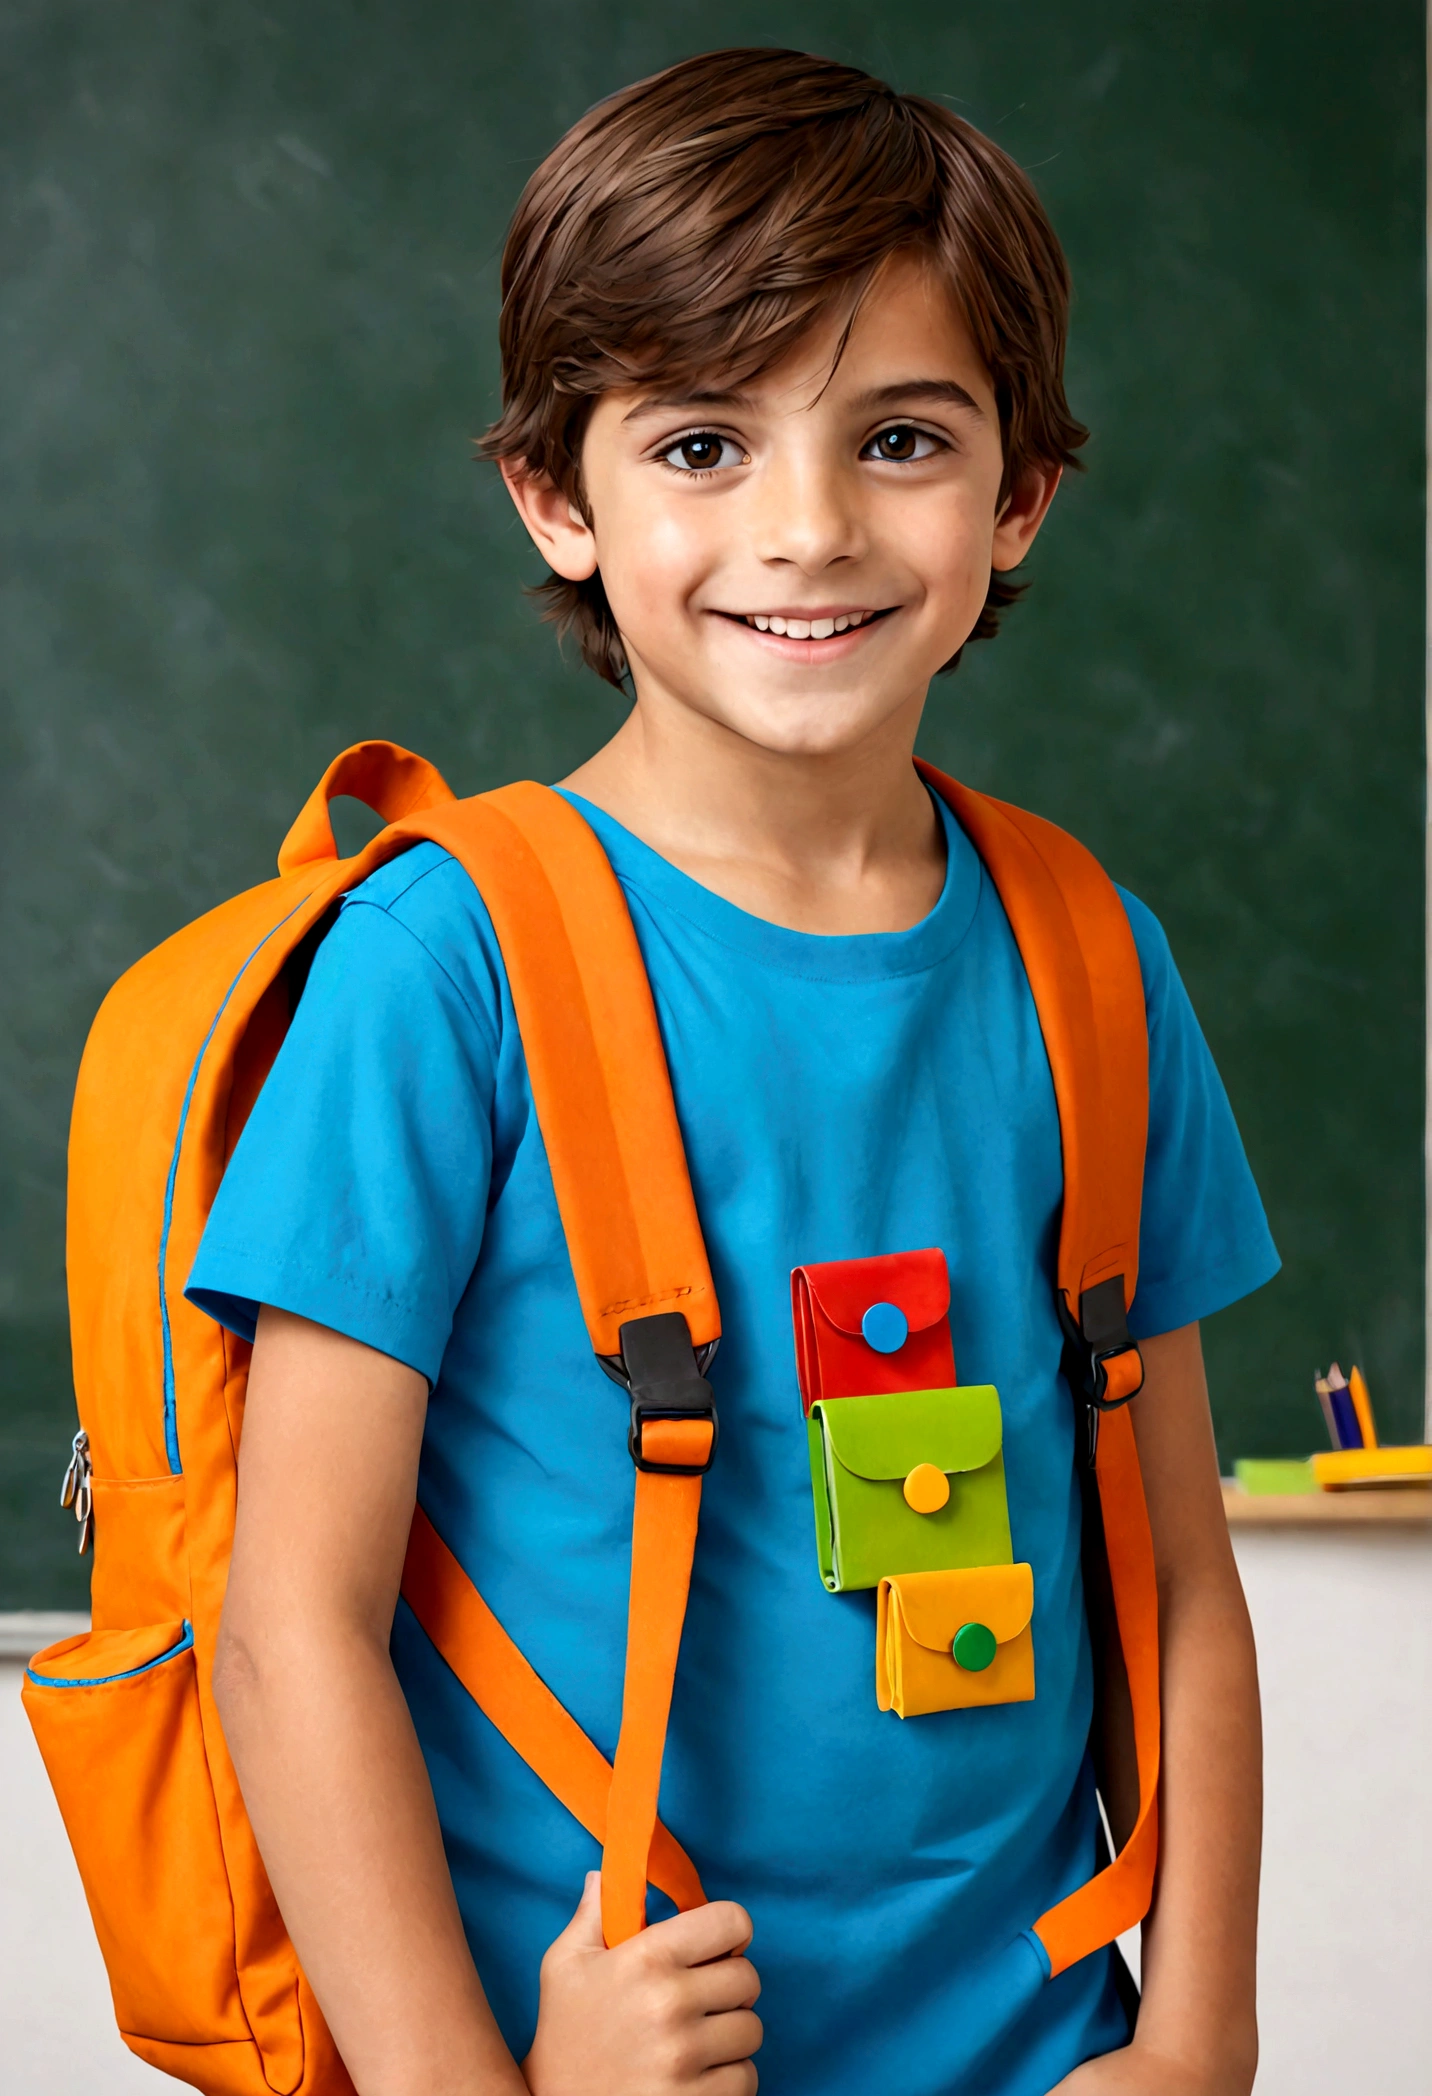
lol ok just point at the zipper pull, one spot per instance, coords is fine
(77, 1490)
(78, 1467)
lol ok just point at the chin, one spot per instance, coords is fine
(802, 739)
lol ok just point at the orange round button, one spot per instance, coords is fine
(927, 1489)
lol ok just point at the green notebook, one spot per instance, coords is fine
(875, 1462)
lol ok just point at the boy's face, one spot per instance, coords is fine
(859, 509)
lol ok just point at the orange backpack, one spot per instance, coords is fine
(206, 1983)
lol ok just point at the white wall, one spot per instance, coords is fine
(1343, 1620)
(1344, 1626)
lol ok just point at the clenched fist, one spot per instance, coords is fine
(670, 2010)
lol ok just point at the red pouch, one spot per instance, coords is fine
(849, 1315)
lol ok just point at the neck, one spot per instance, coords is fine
(833, 842)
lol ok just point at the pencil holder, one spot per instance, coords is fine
(1359, 1469)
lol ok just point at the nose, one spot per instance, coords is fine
(808, 512)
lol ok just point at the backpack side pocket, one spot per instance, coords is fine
(116, 1714)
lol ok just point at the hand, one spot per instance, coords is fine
(667, 2011)
(1135, 2070)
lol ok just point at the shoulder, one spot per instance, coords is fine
(424, 887)
(1182, 1075)
(1149, 935)
(419, 920)
(1203, 1236)
(1163, 986)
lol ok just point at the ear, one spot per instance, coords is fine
(559, 532)
(1025, 508)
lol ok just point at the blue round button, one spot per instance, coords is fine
(886, 1327)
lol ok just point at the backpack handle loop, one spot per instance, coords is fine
(389, 779)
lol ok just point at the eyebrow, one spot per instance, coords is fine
(687, 397)
(904, 390)
(900, 392)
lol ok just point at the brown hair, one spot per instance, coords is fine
(706, 218)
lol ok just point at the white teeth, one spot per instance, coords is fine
(807, 629)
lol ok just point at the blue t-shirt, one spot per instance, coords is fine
(839, 1097)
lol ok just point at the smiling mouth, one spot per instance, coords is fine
(792, 628)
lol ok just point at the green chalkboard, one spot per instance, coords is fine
(247, 310)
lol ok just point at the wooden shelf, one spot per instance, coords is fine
(1391, 1506)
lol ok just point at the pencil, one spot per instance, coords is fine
(1320, 1385)
(1362, 1405)
(1349, 1426)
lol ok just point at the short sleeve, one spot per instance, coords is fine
(1204, 1240)
(357, 1193)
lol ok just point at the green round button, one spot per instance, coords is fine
(974, 1647)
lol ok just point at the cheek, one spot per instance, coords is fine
(652, 553)
(946, 539)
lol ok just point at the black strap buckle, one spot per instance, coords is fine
(665, 1378)
(1101, 1335)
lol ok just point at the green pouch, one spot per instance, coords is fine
(875, 1462)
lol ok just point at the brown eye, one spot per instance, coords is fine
(898, 442)
(703, 451)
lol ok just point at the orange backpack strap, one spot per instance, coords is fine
(1083, 967)
(503, 1685)
(604, 1105)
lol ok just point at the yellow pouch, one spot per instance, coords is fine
(954, 1640)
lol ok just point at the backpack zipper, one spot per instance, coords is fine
(77, 1490)
(171, 1410)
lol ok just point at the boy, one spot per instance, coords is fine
(783, 407)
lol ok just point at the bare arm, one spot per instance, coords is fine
(320, 1733)
(339, 1797)
(1197, 2030)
